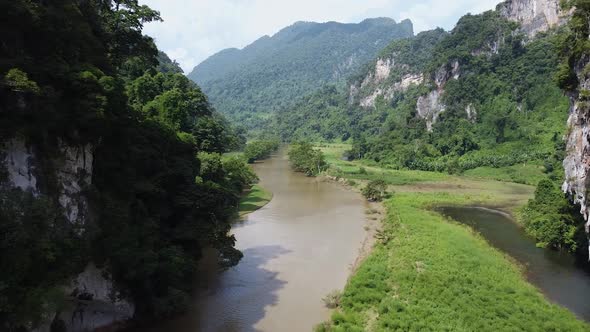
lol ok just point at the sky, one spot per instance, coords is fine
(193, 30)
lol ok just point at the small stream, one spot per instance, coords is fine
(556, 274)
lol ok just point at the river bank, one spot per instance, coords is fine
(297, 249)
(426, 272)
(253, 199)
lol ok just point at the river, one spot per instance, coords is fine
(297, 248)
(556, 274)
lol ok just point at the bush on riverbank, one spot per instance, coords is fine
(258, 150)
(305, 159)
(375, 190)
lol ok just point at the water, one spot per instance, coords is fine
(556, 274)
(296, 249)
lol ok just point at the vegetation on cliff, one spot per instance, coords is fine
(96, 81)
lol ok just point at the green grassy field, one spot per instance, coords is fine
(253, 199)
(428, 273)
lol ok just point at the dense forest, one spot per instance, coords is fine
(483, 96)
(78, 78)
(270, 74)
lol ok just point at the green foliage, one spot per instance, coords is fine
(433, 275)
(91, 77)
(166, 65)
(515, 111)
(274, 72)
(38, 250)
(258, 150)
(18, 81)
(305, 159)
(375, 190)
(552, 220)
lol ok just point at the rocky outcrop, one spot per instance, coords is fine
(74, 173)
(534, 15)
(379, 83)
(19, 164)
(430, 106)
(577, 161)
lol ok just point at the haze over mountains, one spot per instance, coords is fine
(273, 72)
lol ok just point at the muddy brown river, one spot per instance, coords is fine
(296, 249)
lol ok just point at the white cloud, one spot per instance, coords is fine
(195, 29)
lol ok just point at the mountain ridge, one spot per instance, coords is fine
(272, 72)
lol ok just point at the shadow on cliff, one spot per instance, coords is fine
(236, 299)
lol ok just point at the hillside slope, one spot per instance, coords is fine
(273, 72)
(480, 99)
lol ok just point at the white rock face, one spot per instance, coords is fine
(429, 107)
(401, 86)
(471, 113)
(73, 174)
(383, 69)
(534, 15)
(19, 163)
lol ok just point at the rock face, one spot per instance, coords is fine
(20, 166)
(534, 15)
(429, 107)
(93, 302)
(577, 161)
(380, 83)
(74, 173)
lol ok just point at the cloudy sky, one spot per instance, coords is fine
(195, 29)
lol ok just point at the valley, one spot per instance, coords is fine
(379, 175)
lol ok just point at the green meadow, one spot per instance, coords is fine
(429, 273)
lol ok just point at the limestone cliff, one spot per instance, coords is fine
(64, 176)
(534, 16)
(577, 161)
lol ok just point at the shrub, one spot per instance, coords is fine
(375, 190)
(332, 299)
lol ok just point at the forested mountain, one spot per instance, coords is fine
(104, 205)
(480, 96)
(273, 72)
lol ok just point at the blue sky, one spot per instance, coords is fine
(195, 29)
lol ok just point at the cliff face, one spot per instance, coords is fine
(92, 299)
(534, 16)
(577, 161)
(72, 173)
(394, 72)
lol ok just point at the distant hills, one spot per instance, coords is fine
(274, 72)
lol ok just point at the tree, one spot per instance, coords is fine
(304, 158)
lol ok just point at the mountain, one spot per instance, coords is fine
(480, 98)
(273, 72)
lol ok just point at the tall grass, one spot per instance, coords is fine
(432, 274)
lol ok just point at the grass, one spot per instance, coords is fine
(432, 274)
(428, 273)
(528, 173)
(253, 199)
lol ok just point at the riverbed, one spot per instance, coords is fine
(297, 249)
(563, 280)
